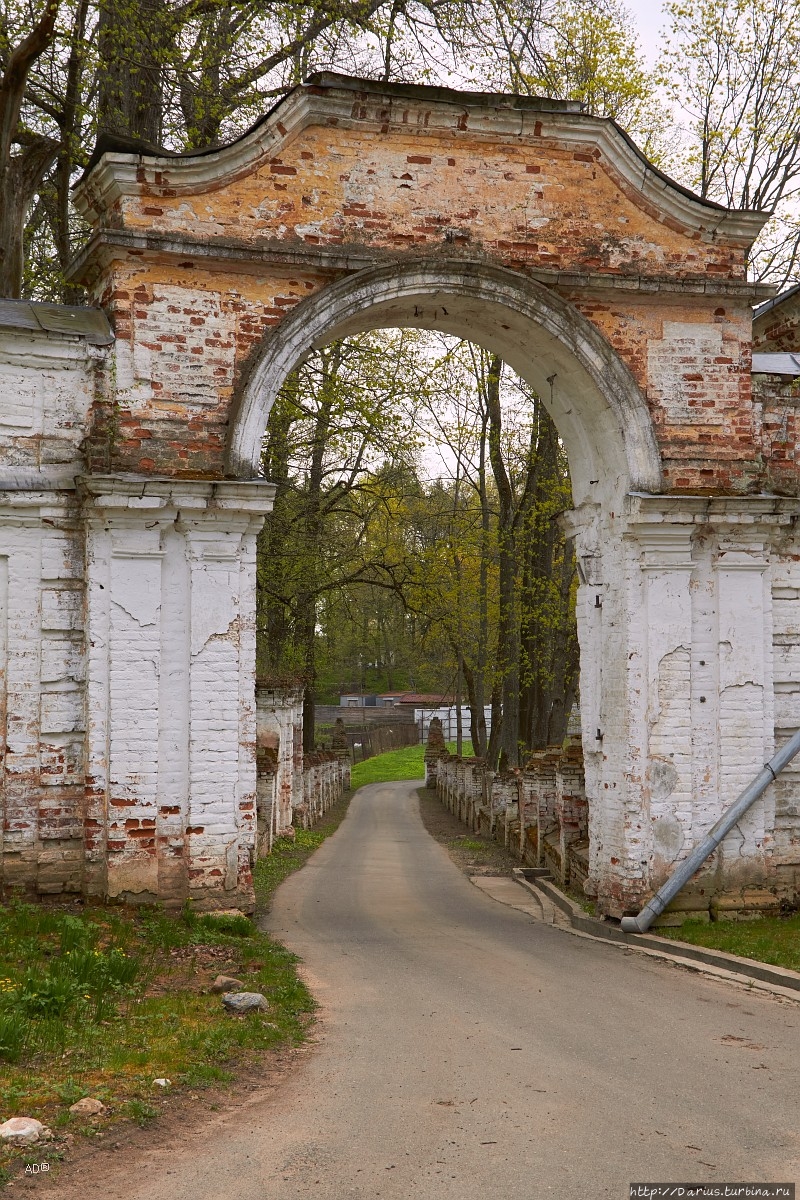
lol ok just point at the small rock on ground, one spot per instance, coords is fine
(244, 1002)
(226, 983)
(24, 1131)
(87, 1107)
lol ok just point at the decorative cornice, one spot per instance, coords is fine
(51, 478)
(347, 103)
(650, 509)
(109, 244)
(139, 493)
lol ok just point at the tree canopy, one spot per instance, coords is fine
(414, 542)
(720, 111)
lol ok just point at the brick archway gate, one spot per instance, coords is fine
(519, 223)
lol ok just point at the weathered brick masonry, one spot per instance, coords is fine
(127, 633)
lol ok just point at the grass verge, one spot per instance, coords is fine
(773, 940)
(406, 763)
(473, 853)
(100, 1001)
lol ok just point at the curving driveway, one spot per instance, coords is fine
(469, 1052)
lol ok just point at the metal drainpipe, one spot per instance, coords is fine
(686, 869)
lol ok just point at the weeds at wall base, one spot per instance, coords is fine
(767, 939)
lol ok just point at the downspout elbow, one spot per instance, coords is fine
(635, 924)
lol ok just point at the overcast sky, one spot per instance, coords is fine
(648, 17)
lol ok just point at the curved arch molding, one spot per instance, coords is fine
(595, 401)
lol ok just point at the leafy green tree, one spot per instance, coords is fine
(732, 69)
(188, 75)
(340, 435)
(26, 153)
(493, 551)
(549, 653)
(589, 52)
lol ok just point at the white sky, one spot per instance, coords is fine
(648, 18)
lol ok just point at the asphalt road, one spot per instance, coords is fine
(468, 1052)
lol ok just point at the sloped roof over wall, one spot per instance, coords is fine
(776, 332)
(776, 364)
(761, 310)
(121, 170)
(66, 319)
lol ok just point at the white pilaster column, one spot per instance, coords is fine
(21, 618)
(703, 642)
(745, 705)
(171, 734)
(660, 809)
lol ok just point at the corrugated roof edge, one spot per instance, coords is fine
(765, 307)
(70, 320)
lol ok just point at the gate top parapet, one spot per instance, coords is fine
(199, 260)
(357, 163)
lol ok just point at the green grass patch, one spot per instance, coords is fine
(289, 854)
(100, 1001)
(97, 1000)
(406, 763)
(767, 939)
(472, 845)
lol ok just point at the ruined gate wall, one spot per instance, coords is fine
(127, 572)
(196, 259)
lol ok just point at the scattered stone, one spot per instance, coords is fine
(88, 1107)
(226, 983)
(162, 1083)
(245, 1002)
(24, 1131)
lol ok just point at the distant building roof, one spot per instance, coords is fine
(69, 319)
(761, 309)
(421, 699)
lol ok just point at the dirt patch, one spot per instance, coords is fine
(92, 1168)
(472, 853)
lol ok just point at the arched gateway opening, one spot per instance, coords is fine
(598, 406)
(521, 224)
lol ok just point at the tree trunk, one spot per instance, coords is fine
(306, 637)
(478, 704)
(506, 743)
(19, 178)
(549, 642)
(21, 174)
(133, 43)
(306, 626)
(68, 153)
